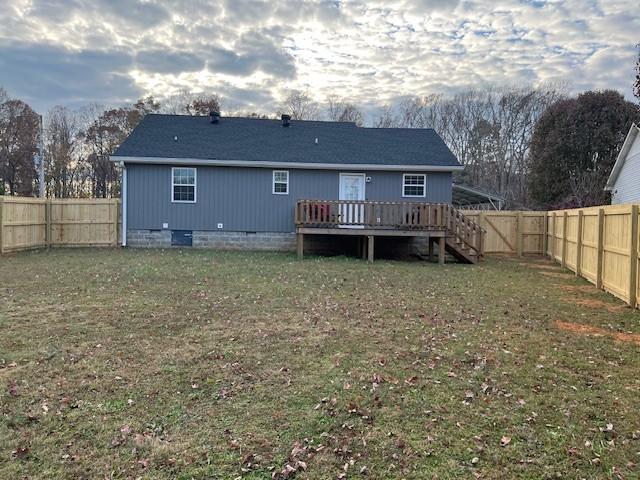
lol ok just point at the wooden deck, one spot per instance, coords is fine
(439, 222)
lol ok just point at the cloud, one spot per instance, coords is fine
(138, 12)
(35, 71)
(433, 5)
(252, 52)
(163, 61)
(255, 51)
(135, 12)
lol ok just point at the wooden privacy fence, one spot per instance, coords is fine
(600, 244)
(28, 223)
(519, 233)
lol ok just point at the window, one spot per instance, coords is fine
(183, 185)
(413, 185)
(280, 182)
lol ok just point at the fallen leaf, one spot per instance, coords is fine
(139, 439)
(411, 381)
(13, 388)
(20, 452)
(504, 441)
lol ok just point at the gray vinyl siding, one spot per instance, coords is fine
(242, 199)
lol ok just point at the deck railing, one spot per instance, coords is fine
(392, 216)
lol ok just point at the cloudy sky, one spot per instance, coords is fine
(73, 52)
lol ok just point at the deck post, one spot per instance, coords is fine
(362, 243)
(441, 248)
(430, 249)
(370, 243)
(300, 245)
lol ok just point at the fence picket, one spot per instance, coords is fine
(29, 223)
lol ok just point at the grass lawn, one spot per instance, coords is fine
(199, 364)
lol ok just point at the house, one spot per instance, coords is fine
(624, 181)
(241, 182)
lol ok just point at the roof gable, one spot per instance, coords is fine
(260, 140)
(622, 156)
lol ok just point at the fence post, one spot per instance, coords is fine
(633, 270)
(564, 240)
(600, 248)
(579, 245)
(553, 238)
(519, 234)
(115, 209)
(545, 239)
(1, 226)
(47, 222)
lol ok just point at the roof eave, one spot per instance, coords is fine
(271, 164)
(622, 156)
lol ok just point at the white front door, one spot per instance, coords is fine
(352, 189)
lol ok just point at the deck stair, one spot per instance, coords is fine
(465, 238)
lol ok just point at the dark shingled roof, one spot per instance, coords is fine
(267, 140)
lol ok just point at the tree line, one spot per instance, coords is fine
(76, 143)
(537, 147)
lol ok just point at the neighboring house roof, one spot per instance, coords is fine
(261, 142)
(622, 156)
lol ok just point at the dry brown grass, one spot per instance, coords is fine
(194, 364)
(599, 332)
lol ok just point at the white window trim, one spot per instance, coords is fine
(195, 186)
(424, 185)
(273, 182)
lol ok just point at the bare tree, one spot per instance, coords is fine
(147, 105)
(386, 118)
(300, 106)
(19, 134)
(189, 103)
(636, 85)
(488, 130)
(249, 114)
(61, 145)
(341, 111)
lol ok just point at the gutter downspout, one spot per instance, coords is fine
(124, 204)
